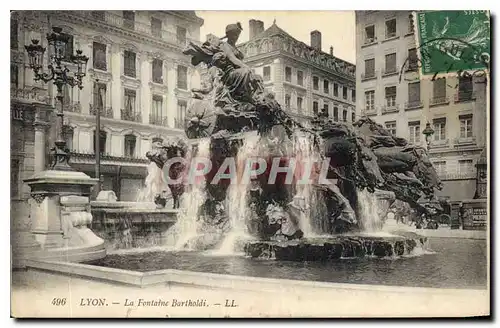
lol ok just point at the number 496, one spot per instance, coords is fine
(58, 301)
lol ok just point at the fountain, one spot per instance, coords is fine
(275, 188)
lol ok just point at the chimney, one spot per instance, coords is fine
(316, 40)
(255, 28)
(331, 51)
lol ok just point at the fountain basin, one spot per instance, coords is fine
(336, 247)
(125, 225)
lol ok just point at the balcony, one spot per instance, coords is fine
(100, 65)
(438, 101)
(465, 141)
(369, 41)
(179, 123)
(390, 36)
(464, 96)
(412, 66)
(73, 107)
(129, 71)
(105, 112)
(368, 75)
(158, 120)
(409, 105)
(131, 116)
(370, 112)
(439, 144)
(389, 71)
(120, 22)
(390, 109)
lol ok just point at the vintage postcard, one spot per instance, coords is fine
(227, 164)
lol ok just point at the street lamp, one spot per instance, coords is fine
(60, 75)
(428, 132)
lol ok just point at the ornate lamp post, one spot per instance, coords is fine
(428, 133)
(60, 75)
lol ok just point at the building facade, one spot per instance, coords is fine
(305, 80)
(391, 92)
(137, 79)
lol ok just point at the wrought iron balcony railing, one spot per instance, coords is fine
(132, 116)
(130, 71)
(158, 120)
(179, 123)
(105, 112)
(435, 101)
(368, 75)
(462, 96)
(389, 71)
(119, 21)
(74, 107)
(414, 104)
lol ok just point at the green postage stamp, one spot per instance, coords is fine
(451, 42)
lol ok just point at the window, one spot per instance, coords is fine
(128, 19)
(465, 126)
(369, 68)
(157, 107)
(440, 167)
(439, 129)
(325, 110)
(465, 88)
(300, 78)
(158, 71)
(181, 35)
(390, 63)
(465, 166)
(411, 28)
(267, 73)
(315, 83)
(156, 27)
(344, 115)
(99, 95)
(390, 96)
(14, 178)
(344, 93)
(414, 132)
(439, 90)
(315, 107)
(336, 114)
(14, 75)
(412, 59)
(414, 93)
(288, 100)
(288, 74)
(68, 134)
(353, 95)
(68, 50)
(14, 39)
(390, 28)
(353, 117)
(181, 114)
(369, 34)
(67, 95)
(129, 63)
(391, 127)
(99, 56)
(102, 142)
(130, 101)
(130, 142)
(326, 86)
(182, 77)
(335, 89)
(370, 100)
(299, 103)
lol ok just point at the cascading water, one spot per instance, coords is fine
(369, 212)
(237, 197)
(154, 184)
(304, 150)
(186, 227)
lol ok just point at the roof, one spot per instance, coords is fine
(274, 29)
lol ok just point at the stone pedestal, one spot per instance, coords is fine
(59, 215)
